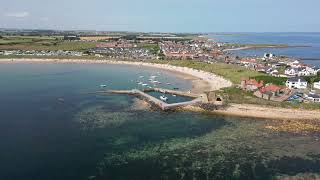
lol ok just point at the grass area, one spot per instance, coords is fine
(49, 45)
(228, 71)
(42, 43)
(271, 79)
(147, 46)
(53, 57)
(238, 96)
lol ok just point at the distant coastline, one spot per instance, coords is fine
(258, 46)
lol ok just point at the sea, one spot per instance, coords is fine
(309, 54)
(55, 124)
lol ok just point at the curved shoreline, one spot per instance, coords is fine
(215, 82)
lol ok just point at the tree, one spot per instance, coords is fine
(1, 37)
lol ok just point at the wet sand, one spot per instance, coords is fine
(248, 110)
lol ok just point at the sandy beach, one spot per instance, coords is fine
(248, 110)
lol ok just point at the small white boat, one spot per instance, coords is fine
(144, 84)
(140, 83)
(168, 83)
(141, 77)
(153, 77)
(164, 98)
(174, 95)
(103, 85)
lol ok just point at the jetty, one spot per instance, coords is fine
(161, 104)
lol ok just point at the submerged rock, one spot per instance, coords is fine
(139, 104)
(98, 117)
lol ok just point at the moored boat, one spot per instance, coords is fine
(164, 98)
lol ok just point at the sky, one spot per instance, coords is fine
(163, 15)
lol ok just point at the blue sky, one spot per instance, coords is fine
(163, 15)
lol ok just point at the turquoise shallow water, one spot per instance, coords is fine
(53, 127)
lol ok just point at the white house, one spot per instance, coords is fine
(268, 56)
(300, 71)
(296, 83)
(316, 85)
(303, 72)
(291, 72)
(313, 70)
(313, 98)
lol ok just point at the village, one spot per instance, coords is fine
(295, 82)
(300, 82)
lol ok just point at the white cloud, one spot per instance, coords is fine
(17, 14)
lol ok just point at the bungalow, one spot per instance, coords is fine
(296, 83)
(291, 72)
(303, 72)
(295, 64)
(250, 84)
(315, 98)
(313, 70)
(316, 85)
(268, 92)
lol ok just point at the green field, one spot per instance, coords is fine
(228, 71)
(42, 43)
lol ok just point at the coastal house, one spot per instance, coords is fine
(316, 85)
(250, 84)
(291, 72)
(301, 71)
(268, 56)
(296, 83)
(268, 92)
(315, 98)
(274, 73)
(312, 70)
(295, 64)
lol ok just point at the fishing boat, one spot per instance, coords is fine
(103, 85)
(164, 98)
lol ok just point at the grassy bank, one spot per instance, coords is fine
(228, 71)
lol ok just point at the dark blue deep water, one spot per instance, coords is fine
(54, 127)
(294, 39)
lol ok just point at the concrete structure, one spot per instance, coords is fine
(162, 105)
